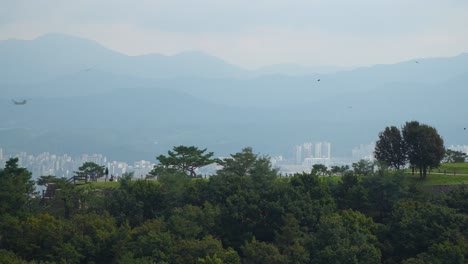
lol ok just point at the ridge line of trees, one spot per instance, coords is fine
(245, 213)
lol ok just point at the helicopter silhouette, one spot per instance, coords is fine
(19, 102)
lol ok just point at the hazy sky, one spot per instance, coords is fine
(254, 33)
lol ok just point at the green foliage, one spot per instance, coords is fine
(320, 169)
(16, 189)
(151, 239)
(246, 163)
(106, 185)
(64, 201)
(184, 227)
(208, 248)
(89, 169)
(309, 199)
(383, 192)
(458, 199)
(246, 212)
(390, 148)
(210, 260)
(416, 226)
(261, 252)
(439, 179)
(453, 156)
(453, 168)
(243, 189)
(339, 170)
(363, 167)
(346, 238)
(46, 180)
(291, 240)
(446, 252)
(425, 147)
(183, 158)
(10, 257)
(352, 194)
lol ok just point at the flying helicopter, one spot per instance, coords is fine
(19, 102)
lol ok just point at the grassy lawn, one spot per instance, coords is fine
(440, 179)
(446, 174)
(451, 168)
(108, 185)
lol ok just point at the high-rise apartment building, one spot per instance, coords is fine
(318, 150)
(307, 150)
(299, 154)
(364, 151)
(326, 150)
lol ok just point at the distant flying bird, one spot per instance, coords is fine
(350, 107)
(318, 80)
(416, 61)
(464, 128)
(19, 102)
(87, 69)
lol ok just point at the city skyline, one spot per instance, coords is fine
(64, 165)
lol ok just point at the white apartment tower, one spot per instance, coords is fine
(318, 150)
(326, 154)
(307, 150)
(298, 154)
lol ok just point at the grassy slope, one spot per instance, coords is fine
(446, 174)
(440, 179)
(451, 168)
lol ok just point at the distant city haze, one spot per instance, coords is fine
(254, 34)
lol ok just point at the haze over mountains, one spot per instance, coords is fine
(85, 98)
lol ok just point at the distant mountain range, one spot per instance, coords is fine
(54, 55)
(86, 98)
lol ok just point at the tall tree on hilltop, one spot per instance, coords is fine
(16, 188)
(425, 147)
(183, 158)
(90, 169)
(390, 148)
(247, 163)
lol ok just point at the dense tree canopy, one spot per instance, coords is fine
(363, 167)
(390, 148)
(16, 188)
(245, 213)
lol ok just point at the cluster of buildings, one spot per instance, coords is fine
(65, 165)
(313, 153)
(364, 151)
(308, 154)
(305, 156)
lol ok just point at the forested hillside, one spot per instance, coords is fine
(246, 213)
